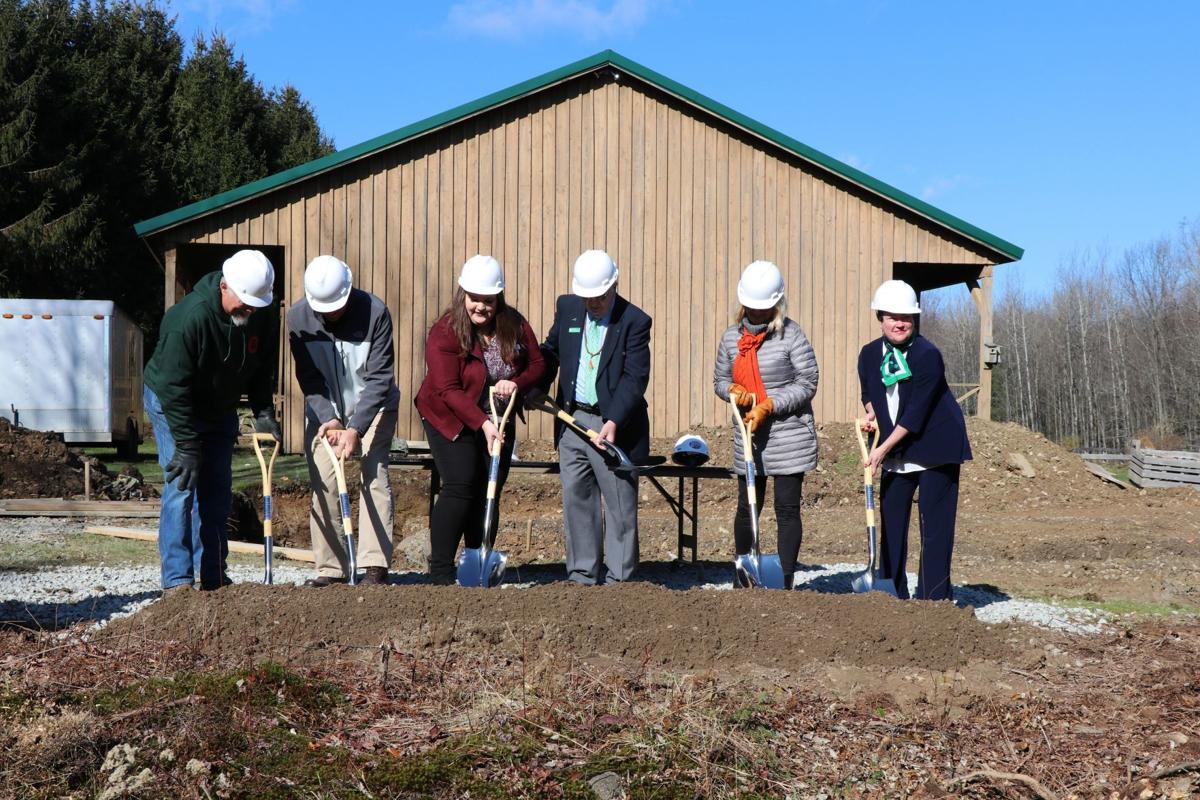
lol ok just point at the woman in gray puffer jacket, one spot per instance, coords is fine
(767, 364)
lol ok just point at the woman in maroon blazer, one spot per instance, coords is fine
(478, 342)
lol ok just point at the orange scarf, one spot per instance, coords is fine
(745, 364)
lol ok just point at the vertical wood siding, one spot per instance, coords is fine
(681, 200)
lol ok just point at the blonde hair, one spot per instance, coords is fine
(775, 325)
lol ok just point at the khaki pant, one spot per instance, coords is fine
(373, 540)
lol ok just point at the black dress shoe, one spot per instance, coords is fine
(321, 581)
(209, 586)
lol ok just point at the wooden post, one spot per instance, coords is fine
(87, 480)
(171, 291)
(981, 293)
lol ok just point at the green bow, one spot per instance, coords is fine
(895, 366)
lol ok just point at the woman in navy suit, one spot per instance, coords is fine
(923, 441)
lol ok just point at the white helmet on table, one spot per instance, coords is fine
(594, 274)
(896, 297)
(761, 286)
(690, 451)
(482, 275)
(327, 284)
(250, 276)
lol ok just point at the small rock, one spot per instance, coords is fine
(607, 786)
(415, 548)
(1019, 463)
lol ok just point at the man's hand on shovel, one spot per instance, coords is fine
(606, 435)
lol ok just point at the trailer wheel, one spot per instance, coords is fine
(127, 448)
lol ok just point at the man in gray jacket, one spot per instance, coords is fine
(341, 340)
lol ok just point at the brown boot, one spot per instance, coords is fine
(375, 576)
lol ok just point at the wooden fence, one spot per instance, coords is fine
(1164, 468)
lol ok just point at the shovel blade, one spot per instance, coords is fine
(770, 571)
(747, 569)
(474, 571)
(869, 582)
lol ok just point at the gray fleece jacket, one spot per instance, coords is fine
(787, 442)
(347, 368)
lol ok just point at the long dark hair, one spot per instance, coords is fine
(508, 326)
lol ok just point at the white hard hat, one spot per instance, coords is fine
(482, 275)
(761, 285)
(594, 273)
(327, 284)
(895, 296)
(251, 277)
(690, 450)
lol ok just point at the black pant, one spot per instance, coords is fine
(787, 513)
(938, 509)
(462, 464)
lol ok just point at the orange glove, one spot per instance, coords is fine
(755, 416)
(741, 397)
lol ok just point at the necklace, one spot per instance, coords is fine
(590, 328)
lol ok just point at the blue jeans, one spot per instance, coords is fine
(191, 524)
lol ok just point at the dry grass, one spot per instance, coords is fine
(453, 722)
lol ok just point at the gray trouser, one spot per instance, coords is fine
(375, 514)
(597, 551)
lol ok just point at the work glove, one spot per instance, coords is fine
(265, 422)
(741, 397)
(184, 465)
(757, 415)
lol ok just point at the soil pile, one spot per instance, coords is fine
(39, 464)
(641, 623)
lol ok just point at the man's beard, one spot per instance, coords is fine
(239, 319)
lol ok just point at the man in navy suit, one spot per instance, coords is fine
(923, 441)
(600, 346)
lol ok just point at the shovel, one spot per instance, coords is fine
(868, 580)
(615, 456)
(754, 568)
(339, 469)
(266, 467)
(483, 566)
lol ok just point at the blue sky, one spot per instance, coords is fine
(1063, 127)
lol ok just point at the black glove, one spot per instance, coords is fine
(184, 465)
(265, 422)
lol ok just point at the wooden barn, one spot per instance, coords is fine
(604, 153)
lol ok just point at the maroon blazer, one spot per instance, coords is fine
(449, 395)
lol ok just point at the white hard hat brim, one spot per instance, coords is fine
(759, 303)
(914, 310)
(592, 291)
(467, 286)
(251, 300)
(329, 306)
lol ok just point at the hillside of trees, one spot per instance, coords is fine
(104, 123)
(1106, 356)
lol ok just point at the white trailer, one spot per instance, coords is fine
(74, 367)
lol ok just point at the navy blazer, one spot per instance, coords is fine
(623, 373)
(937, 432)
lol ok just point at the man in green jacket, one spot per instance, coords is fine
(214, 345)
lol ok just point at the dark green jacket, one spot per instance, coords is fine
(204, 363)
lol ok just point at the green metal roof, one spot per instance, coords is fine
(604, 58)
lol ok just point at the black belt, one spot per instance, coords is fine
(585, 407)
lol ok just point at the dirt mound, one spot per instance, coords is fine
(39, 464)
(642, 623)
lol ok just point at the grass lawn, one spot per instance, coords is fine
(289, 469)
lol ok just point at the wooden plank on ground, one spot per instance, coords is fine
(53, 507)
(1103, 474)
(291, 553)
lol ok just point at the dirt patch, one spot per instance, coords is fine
(678, 631)
(40, 464)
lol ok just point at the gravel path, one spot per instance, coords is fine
(56, 596)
